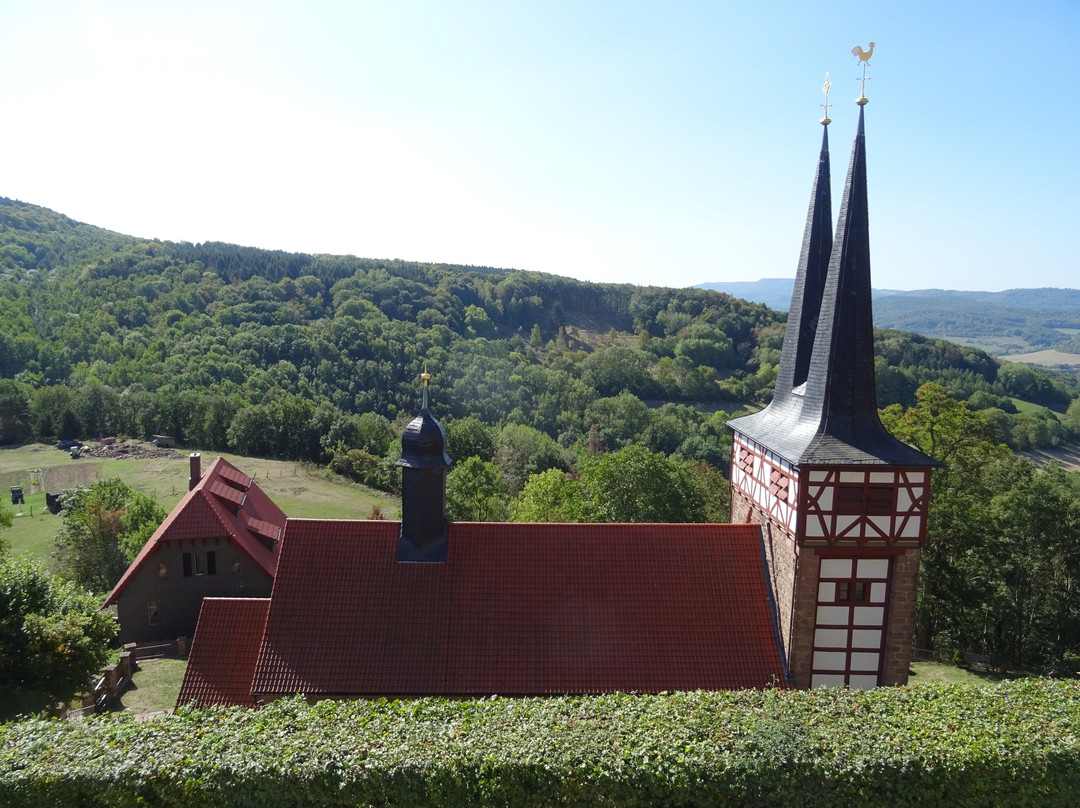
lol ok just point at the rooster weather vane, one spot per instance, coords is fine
(864, 59)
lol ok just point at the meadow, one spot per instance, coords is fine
(299, 489)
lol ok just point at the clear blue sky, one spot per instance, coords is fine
(663, 143)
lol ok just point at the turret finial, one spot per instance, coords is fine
(825, 120)
(426, 377)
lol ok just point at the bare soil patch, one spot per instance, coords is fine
(1067, 456)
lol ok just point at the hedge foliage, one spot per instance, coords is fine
(1009, 744)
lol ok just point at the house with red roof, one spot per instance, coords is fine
(812, 585)
(221, 540)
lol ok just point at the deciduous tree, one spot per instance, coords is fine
(53, 637)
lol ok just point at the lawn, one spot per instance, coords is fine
(154, 686)
(299, 489)
(951, 674)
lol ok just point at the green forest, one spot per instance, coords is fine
(556, 394)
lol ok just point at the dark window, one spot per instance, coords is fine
(151, 612)
(881, 500)
(849, 499)
(203, 562)
(857, 499)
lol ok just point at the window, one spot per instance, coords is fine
(200, 563)
(162, 570)
(152, 612)
(873, 500)
(778, 484)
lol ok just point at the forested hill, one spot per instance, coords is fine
(1011, 321)
(294, 355)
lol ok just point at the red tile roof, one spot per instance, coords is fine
(519, 609)
(216, 509)
(223, 652)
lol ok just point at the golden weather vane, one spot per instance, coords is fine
(864, 60)
(825, 121)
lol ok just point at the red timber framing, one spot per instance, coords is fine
(878, 505)
(850, 622)
(767, 480)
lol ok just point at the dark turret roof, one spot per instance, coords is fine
(829, 416)
(423, 444)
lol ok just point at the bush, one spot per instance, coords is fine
(936, 745)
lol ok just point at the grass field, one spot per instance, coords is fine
(299, 489)
(1029, 408)
(154, 686)
(1047, 358)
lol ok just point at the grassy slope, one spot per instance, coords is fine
(299, 489)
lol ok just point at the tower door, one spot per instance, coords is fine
(850, 621)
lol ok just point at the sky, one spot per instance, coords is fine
(657, 143)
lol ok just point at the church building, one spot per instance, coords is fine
(812, 584)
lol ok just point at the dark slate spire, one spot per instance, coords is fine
(837, 420)
(782, 414)
(424, 463)
(841, 395)
(809, 281)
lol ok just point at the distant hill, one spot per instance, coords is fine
(1015, 321)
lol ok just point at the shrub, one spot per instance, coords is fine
(935, 745)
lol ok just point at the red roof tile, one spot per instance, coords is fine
(223, 652)
(204, 515)
(519, 609)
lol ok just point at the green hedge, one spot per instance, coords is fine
(1010, 744)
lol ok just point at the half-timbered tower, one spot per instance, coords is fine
(842, 504)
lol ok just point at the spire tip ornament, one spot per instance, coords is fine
(864, 59)
(825, 120)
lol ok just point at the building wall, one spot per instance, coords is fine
(177, 597)
(901, 627)
(794, 572)
(782, 561)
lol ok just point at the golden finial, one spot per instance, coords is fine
(825, 121)
(426, 377)
(864, 60)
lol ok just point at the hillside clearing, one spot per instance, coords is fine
(1050, 359)
(299, 489)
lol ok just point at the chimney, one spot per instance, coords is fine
(195, 469)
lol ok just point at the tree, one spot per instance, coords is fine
(104, 527)
(523, 451)
(550, 496)
(955, 574)
(474, 492)
(14, 412)
(1032, 612)
(636, 485)
(468, 437)
(6, 520)
(53, 637)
